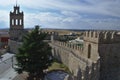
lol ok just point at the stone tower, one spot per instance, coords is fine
(104, 45)
(90, 51)
(16, 24)
(109, 48)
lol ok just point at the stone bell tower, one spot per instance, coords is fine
(16, 24)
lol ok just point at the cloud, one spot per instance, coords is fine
(79, 14)
(70, 13)
(44, 19)
(53, 20)
(4, 18)
(103, 7)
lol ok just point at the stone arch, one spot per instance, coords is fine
(89, 50)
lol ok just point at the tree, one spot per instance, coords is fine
(34, 55)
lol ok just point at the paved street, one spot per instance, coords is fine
(8, 73)
(6, 70)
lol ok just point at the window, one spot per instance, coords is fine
(89, 51)
(16, 21)
(12, 21)
(16, 11)
(20, 21)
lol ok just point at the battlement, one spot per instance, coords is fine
(50, 33)
(102, 36)
(69, 46)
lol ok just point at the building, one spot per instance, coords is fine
(16, 30)
(16, 24)
(4, 37)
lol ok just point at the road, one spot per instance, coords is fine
(6, 70)
(8, 73)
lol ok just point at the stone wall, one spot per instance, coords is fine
(98, 59)
(14, 45)
(93, 52)
(106, 46)
(110, 61)
(102, 36)
(81, 67)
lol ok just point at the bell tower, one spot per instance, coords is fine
(16, 23)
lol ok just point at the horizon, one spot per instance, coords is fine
(78, 14)
(70, 29)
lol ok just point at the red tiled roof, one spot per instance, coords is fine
(4, 39)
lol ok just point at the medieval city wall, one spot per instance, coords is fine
(97, 59)
(102, 36)
(110, 60)
(106, 46)
(79, 65)
(94, 55)
(14, 45)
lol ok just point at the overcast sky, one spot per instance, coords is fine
(65, 14)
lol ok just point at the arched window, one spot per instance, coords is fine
(12, 21)
(16, 21)
(89, 51)
(20, 21)
(16, 11)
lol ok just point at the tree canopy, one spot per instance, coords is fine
(34, 55)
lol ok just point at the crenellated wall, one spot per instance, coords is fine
(50, 33)
(110, 61)
(73, 57)
(97, 59)
(106, 46)
(55, 34)
(102, 36)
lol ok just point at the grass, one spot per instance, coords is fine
(58, 66)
